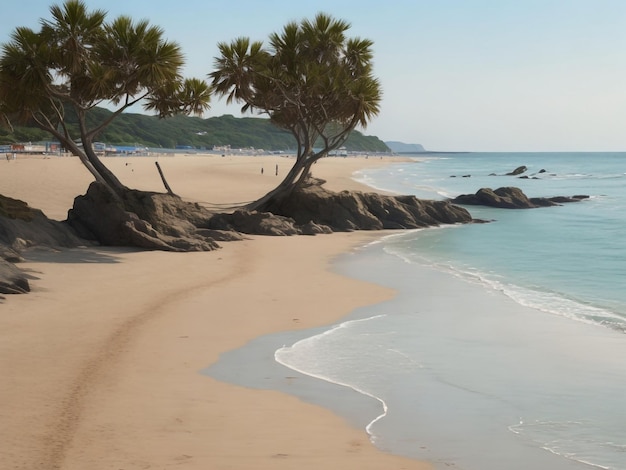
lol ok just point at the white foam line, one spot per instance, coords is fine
(356, 389)
(329, 380)
(544, 301)
(575, 459)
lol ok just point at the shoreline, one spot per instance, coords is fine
(483, 334)
(103, 358)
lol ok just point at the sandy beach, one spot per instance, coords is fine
(100, 362)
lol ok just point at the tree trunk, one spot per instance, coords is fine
(306, 170)
(104, 175)
(282, 190)
(74, 149)
(110, 180)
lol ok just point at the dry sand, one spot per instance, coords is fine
(100, 362)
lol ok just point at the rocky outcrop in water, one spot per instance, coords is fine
(511, 198)
(518, 171)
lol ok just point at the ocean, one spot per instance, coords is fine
(504, 347)
(569, 260)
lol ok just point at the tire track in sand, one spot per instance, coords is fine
(61, 434)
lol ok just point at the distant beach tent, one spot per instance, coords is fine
(51, 148)
(106, 149)
(340, 152)
(26, 147)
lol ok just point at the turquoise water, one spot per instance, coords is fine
(569, 260)
(505, 345)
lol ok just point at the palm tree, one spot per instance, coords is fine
(78, 61)
(312, 81)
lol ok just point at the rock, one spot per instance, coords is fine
(510, 198)
(485, 197)
(312, 228)
(518, 171)
(165, 222)
(148, 220)
(254, 223)
(556, 200)
(22, 227)
(355, 210)
(9, 254)
(547, 201)
(12, 279)
(220, 235)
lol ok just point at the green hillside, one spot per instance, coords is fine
(149, 131)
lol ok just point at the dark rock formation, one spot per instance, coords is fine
(148, 220)
(160, 221)
(511, 198)
(354, 210)
(9, 254)
(518, 171)
(165, 222)
(23, 227)
(255, 223)
(12, 279)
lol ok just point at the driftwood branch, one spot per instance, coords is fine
(167, 186)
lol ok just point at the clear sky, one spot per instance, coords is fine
(475, 75)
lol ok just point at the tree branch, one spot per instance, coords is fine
(96, 130)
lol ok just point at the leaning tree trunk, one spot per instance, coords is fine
(281, 191)
(109, 179)
(307, 170)
(75, 150)
(102, 173)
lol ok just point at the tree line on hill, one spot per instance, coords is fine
(150, 131)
